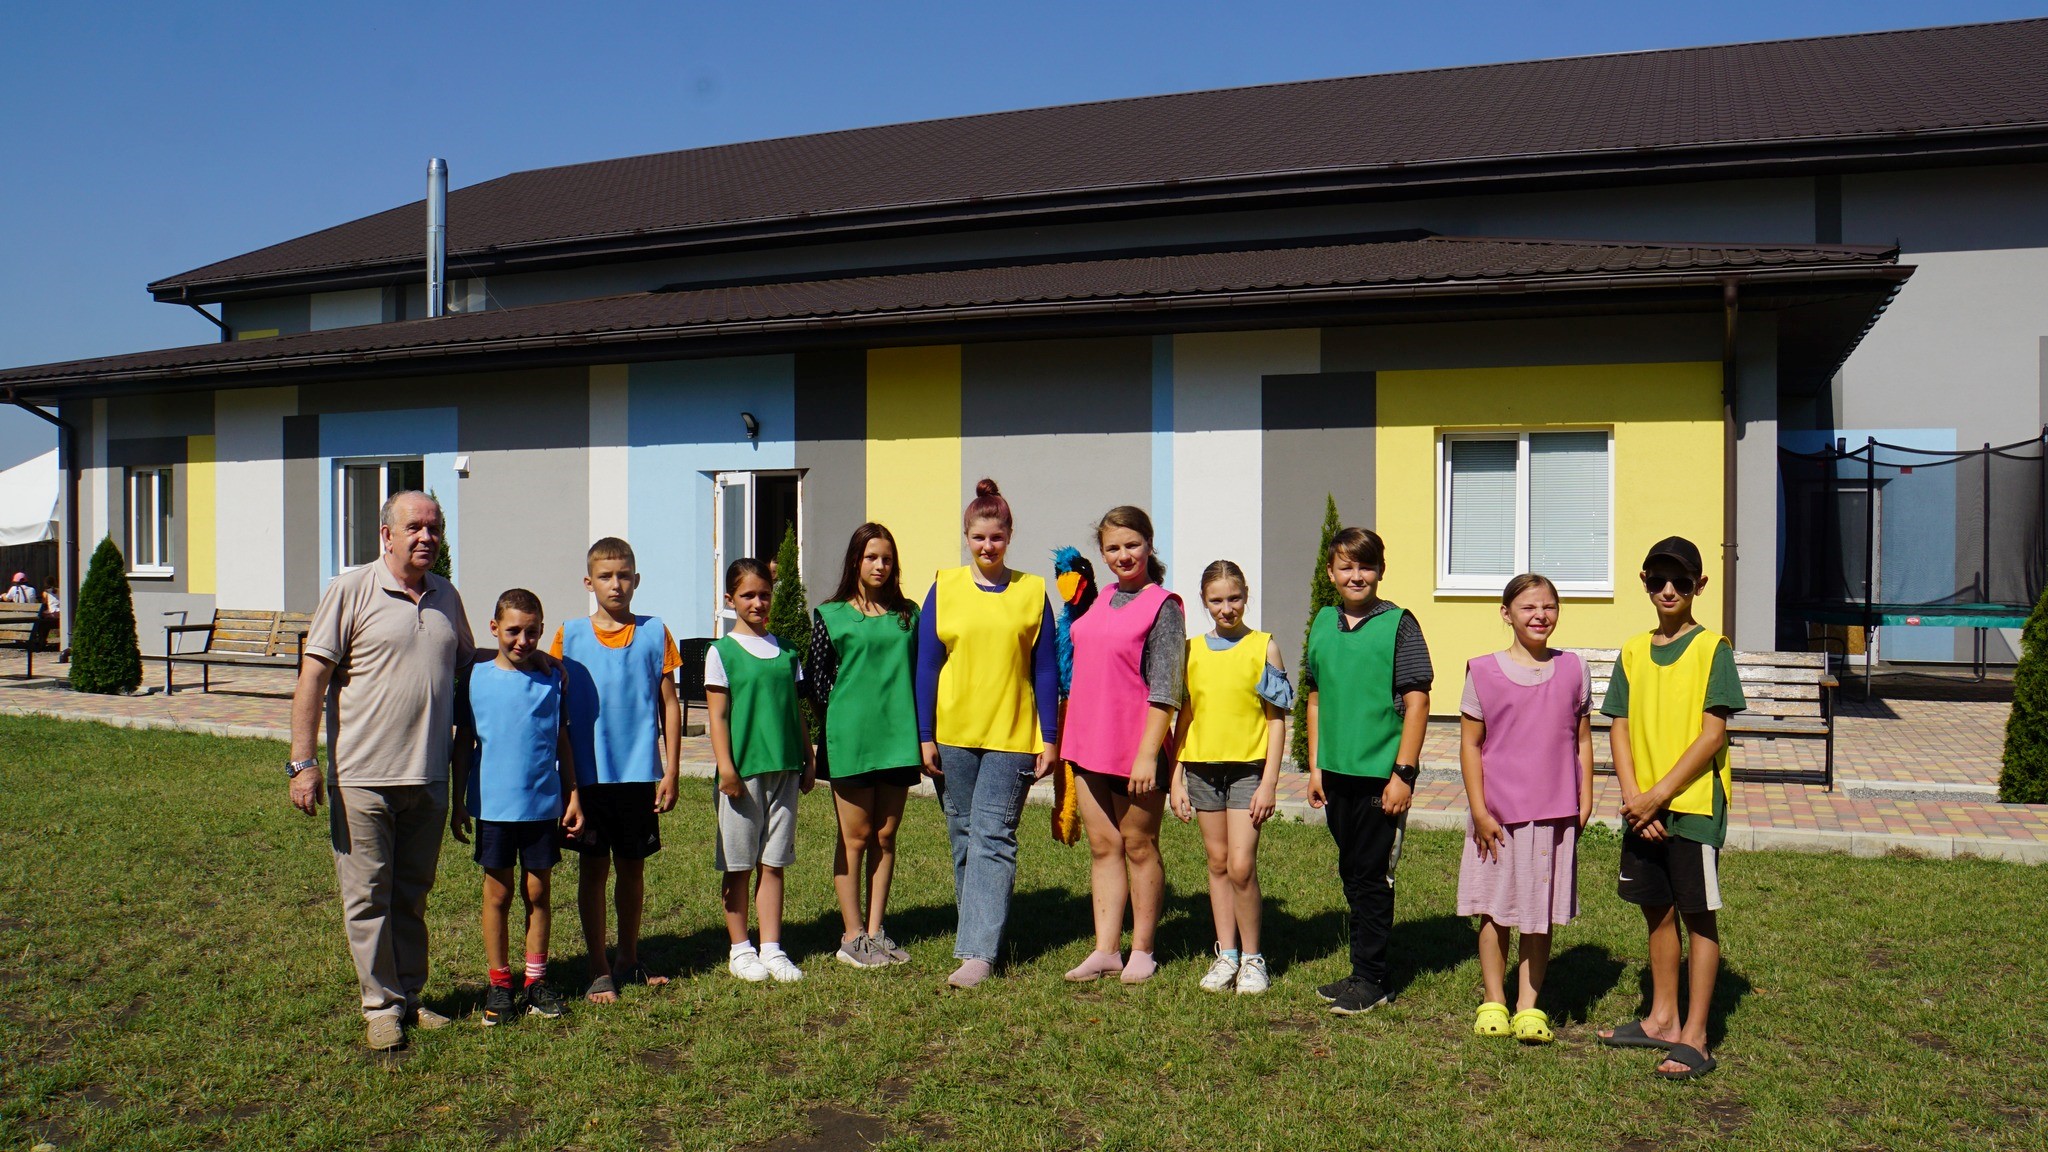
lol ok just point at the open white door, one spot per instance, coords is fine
(732, 537)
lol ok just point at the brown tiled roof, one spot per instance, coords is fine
(1596, 113)
(1358, 273)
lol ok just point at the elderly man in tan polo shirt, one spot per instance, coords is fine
(381, 657)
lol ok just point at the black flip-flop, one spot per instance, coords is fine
(634, 974)
(600, 986)
(1631, 1035)
(1697, 1063)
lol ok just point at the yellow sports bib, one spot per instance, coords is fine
(986, 699)
(1227, 717)
(1666, 708)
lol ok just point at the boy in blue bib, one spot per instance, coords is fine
(516, 775)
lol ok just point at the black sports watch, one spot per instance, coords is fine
(1408, 773)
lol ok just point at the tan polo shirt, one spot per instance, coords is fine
(391, 704)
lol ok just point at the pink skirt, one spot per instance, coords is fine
(1532, 885)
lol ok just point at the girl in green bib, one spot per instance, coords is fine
(764, 761)
(860, 671)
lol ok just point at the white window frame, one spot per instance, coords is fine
(1448, 584)
(383, 465)
(156, 560)
(729, 542)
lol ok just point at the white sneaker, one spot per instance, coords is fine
(747, 966)
(1251, 976)
(782, 968)
(1222, 974)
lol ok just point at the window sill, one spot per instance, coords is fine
(152, 573)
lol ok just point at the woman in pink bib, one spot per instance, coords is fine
(1527, 752)
(1128, 659)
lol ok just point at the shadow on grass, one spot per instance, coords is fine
(1577, 979)
(1729, 992)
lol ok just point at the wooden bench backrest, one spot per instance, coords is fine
(1778, 685)
(15, 617)
(245, 633)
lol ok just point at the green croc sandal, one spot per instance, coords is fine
(1533, 1027)
(1492, 1020)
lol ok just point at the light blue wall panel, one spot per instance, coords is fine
(683, 425)
(425, 432)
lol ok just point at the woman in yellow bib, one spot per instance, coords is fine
(987, 718)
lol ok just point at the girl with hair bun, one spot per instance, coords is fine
(987, 718)
(1128, 655)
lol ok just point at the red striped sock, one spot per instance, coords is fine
(501, 977)
(536, 967)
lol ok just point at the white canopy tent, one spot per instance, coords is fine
(28, 500)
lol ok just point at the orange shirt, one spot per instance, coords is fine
(671, 658)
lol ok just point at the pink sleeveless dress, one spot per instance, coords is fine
(1531, 773)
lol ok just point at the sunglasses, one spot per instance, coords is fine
(1655, 584)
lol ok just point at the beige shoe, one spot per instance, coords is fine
(422, 1016)
(384, 1034)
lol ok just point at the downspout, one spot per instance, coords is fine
(67, 557)
(1730, 383)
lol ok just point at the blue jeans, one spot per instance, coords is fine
(983, 797)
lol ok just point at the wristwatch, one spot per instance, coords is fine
(292, 768)
(1408, 773)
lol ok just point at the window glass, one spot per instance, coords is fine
(1568, 513)
(1482, 513)
(361, 498)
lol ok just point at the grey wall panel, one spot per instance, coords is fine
(157, 603)
(1065, 427)
(168, 414)
(1313, 446)
(303, 515)
(287, 314)
(1756, 485)
(525, 505)
(831, 449)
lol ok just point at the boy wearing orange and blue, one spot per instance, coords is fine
(1670, 696)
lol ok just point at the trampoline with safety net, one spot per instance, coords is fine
(1885, 536)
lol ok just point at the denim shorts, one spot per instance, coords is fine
(1212, 787)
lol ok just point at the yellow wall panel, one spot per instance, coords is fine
(1666, 420)
(199, 515)
(913, 456)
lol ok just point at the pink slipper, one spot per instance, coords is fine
(1096, 966)
(1140, 968)
(970, 973)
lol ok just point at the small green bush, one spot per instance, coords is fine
(443, 565)
(789, 614)
(104, 656)
(1321, 595)
(2024, 777)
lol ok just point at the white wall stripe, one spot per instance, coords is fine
(249, 514)
(608, 471)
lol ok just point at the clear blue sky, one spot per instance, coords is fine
(139, 140)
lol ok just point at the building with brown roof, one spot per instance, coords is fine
(1520, 316)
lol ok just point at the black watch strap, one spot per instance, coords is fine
(1408, 773)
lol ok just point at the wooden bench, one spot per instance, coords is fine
(242, 639)
(1790, 694)
(18, 627)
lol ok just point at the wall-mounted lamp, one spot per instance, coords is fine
(753, 425)
(462, 466)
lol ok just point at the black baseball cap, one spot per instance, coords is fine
(1676, 548)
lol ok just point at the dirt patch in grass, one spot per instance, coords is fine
(1299, 1022)
(506, 1125)
(833, 1129)
(667, 1061)
(1881, 959)
(1727, 1116)
(654, 1133)
(819, 1024)
(1931, 1042)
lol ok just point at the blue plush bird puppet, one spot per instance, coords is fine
(1074, 576)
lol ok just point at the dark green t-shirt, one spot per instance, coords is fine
(1724, 690)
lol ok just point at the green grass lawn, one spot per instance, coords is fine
(173, 975)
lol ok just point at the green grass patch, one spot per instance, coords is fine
(173, 975)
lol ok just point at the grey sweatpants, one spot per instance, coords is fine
(387, 843)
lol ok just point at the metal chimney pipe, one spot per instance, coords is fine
(437, 236)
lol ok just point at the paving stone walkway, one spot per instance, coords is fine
(1916, 765)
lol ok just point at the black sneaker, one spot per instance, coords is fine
(498, 1006)
(1331, 991)
(541, 1000)
(1359, 996)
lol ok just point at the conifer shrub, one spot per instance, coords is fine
(104, 655)
(2024, 777)
(1321, 594)
(444, 564)
(789, 613)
